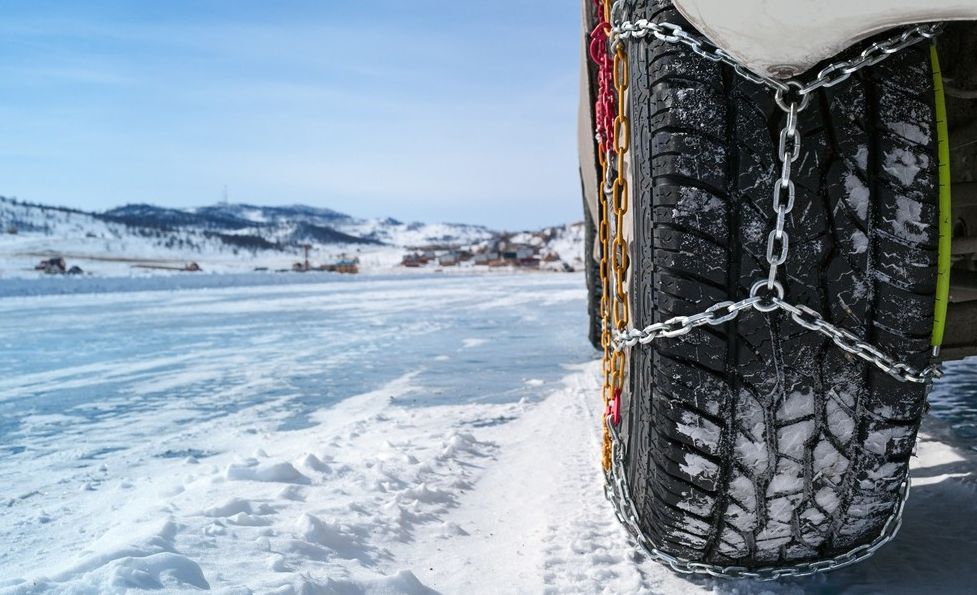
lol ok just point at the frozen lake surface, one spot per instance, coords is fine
(407, 434)
(121, 356)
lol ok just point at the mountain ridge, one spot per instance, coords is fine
(223, 234)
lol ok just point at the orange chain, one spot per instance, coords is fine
(613, 254)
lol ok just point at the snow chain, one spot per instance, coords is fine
(766, 295)
(617, 491)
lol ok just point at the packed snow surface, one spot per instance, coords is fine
(416, 435)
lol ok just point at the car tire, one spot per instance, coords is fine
(759, 443)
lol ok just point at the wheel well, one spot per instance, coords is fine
(958, 58)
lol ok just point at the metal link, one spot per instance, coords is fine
(839, 72)
(829, 76)
(766, 295)
(618, 492)
(672, 33)
(801, 314)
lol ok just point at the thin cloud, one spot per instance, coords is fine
(460, 112)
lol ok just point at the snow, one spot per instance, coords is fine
(859, 242)
(281, 439)
(908, 223)
(911, 132)
(107, 248)
(165, 241)
(702, 432)
(858, 195)
(904, 165)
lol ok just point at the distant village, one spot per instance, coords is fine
(503, 251)
(525, 250)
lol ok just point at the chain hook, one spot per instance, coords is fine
(792, 94)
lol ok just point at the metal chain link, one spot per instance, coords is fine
(724, 312)
(619, 199)
(766, 295)
(829, 76)
(619, 493)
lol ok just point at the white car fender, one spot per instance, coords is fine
(788, 37)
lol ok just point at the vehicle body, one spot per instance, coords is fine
(752, 444)
(773, 38)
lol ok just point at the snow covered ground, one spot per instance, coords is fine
(415, 434)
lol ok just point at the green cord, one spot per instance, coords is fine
(946, 230)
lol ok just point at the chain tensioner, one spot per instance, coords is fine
(766, 294)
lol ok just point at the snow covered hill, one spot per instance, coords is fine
(148, 239)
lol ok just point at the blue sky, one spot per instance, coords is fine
(421, 110)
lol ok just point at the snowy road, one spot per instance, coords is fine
(405, 435)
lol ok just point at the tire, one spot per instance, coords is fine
(760, 443)
(592, 275)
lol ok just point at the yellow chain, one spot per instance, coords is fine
(614, 254)
(603, 154)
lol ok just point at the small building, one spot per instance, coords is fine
(414, 260)
(52, 266)
(486, 258)
(448, 260)
(348, 266)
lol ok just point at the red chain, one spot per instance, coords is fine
(604, 107)
(613, 409)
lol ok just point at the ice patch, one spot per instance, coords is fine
(861, 158)
(911, 132)
(702, 432)
(697, 466)
(828, 464)
(752, 454)
(780, 511)
(797, 404)
(791, 439)
(743, 491)
(751, 415)
(905, 165)
(859, 242)
(839, 422)
(908, 223)
(857, 195)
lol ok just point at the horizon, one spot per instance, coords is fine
(168, 105)
(194, 208)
